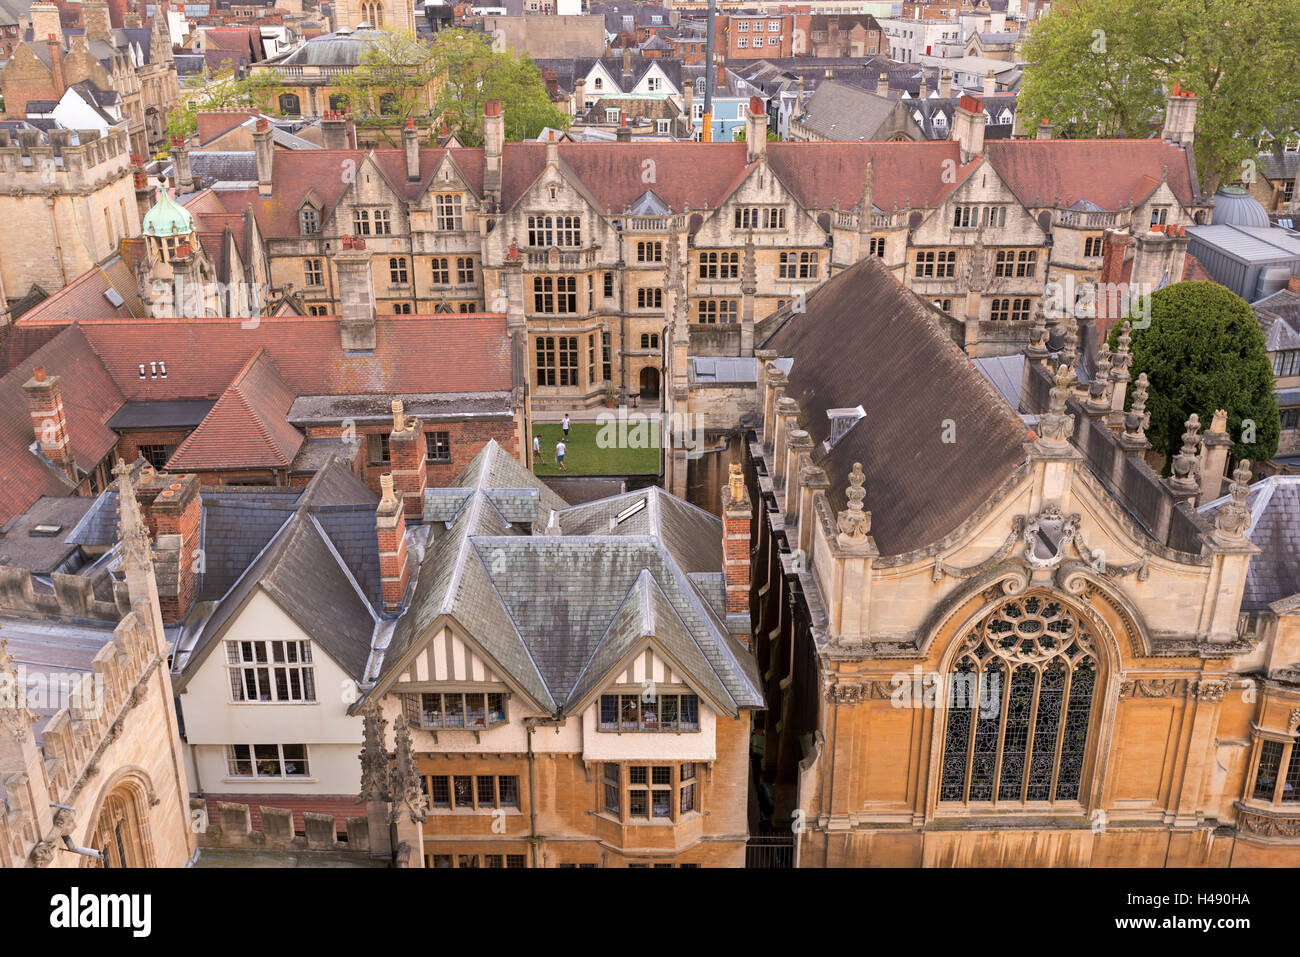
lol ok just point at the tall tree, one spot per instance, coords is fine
(222, 91)
(394, 81)
(1102, 67)
(1204, 351)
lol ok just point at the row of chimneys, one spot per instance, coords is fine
(172, 505)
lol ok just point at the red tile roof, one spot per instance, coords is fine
(462, 353)
(90, 398)
(213, 124)
(84, 296)
(902, 174)
(1110, 173)
(247, 427)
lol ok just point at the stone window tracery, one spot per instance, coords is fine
(1019, 700)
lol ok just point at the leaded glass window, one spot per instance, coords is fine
(1019, 703)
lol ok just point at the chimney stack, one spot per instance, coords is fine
(755, 130)
(1045, 131)
(334, 131)
(736, 515)
(356, 294)
(411, 140)
(1180, 117)
(494, 137)
(882, 85)
(45, 21)
(968, 127)
(175, 516)
(408, 459)
(264, 148)
(181, 166)
(945, 84)
(56, 65)
(94, 17)
(390, 530)
(49, 424)
(627, 61)
(990, 83)
(1215, 446)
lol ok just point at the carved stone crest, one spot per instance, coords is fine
(1149, 688)
(1047, 535)
(839, 693)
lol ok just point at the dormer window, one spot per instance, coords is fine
(841, 421)
(595, 83)
(459, 711)
(649, 712)
(309, 221)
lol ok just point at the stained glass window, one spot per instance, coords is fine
(1019, 706)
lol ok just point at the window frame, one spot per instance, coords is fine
(299, 665)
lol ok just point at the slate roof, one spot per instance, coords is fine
(320, 564)
(1276, 166)
(1274, 573)
(865, 340)
(841, 112)
(556, 609)
(1279, 318)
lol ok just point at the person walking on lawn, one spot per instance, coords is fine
(537, 450)
(564, 424)
(560, 449)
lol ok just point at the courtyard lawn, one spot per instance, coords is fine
(584, 457)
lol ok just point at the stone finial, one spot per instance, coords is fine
(374, 756)
(404, 780)
(1123, 356)
(1070, 352)
(1100, 386)
(1185, 462)
(131, 529)
(736, 484)
(1038, 333)
(855, 520)
(1055, 426)
(1219, 422)
(1234, 516)
(14, 716)
(1138, 418)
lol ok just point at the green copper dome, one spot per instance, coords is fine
(167, 218)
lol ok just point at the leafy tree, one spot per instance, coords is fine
(1204, 351)
(392, 81)
(222, 91)
(474, 73)
(1100, 67)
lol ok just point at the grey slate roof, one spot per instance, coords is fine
(865, 340)
(1274, 574)
(1276, 166)
(841, 112)
(172, 414)
(22, 545)
(1279, 318)
(429, 406)
(554, 610)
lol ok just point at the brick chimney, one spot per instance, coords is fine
(264, 148)
(494, 137)
(356, 294)
(175, 514)
(945, 84)
(390, 530)
(334, 131)
(49, 424)
(56, 65)
(1045, 131)
(411, 141)
(95, 18)
(736, 515)
(408, 459)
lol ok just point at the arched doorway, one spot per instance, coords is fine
(650, 383)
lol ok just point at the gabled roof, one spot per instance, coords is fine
(555, 606)
(247, 427)
(865, 340)
(846, 113)
(1274, 573)
(1111, 173)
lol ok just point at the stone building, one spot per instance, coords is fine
(587, 232)
(990, 642)
(92, 771)
(70, 194)
(135, 61)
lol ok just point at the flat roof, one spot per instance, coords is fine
(176, 414)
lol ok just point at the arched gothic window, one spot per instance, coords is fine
(373, 14)
(1020, 699)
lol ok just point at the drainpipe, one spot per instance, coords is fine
(622, 316)
(531, 726)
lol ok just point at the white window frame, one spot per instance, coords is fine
(232, 760)
(293, 657)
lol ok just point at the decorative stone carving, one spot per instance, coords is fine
(374, 756)
(1295, 720)
(1150, 688)
(132, 532)
(14, 716)
(404, 783)
(1137, 418)
(1100, 386)
(1268, 825)
(854, 521)
(1185, 463)
(736, 484)
(1097, 561)
(1054, 426)
(65, 819)
(1233, 519)
(942, 568)
(42, 854)
(1211, 690)
(1047, 535)
(840, 693)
